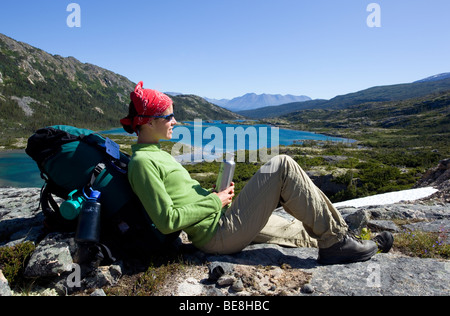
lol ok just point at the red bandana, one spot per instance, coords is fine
(147, 102)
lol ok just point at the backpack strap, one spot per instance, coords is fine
(97, 170)
(53, 219)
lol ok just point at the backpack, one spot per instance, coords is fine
(73, 159)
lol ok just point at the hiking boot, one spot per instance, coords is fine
(350, 249)
(384, 241)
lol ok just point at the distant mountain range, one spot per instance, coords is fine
(259, 106)
(434, 84)
(252, 101)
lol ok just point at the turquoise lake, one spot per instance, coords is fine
(19, 170)
(205, 133)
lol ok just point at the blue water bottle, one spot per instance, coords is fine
(88, 229)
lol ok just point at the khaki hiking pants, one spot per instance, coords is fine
(249, 218)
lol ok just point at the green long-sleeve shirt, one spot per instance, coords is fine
(173, 200)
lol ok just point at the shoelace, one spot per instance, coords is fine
(358, 238)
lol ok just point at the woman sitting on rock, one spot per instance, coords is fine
(216, 222)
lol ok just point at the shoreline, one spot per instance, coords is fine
(20, 143)
(11, 150)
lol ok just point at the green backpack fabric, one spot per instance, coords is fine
(71, 158)
(73, 165)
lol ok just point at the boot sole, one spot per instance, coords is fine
(384, 241)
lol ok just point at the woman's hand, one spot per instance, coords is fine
(227, 195)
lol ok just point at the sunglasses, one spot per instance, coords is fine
(168, 118)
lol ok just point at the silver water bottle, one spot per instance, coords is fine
(226, 174)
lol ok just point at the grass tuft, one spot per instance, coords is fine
(423, 244)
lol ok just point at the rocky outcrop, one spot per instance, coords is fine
(438, 177)
(4, 286)
(385, 274)
(53, 258)
(326, 182)
(258, 270)
(390, 274)
(20, 218)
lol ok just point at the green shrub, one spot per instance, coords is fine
(13, 261)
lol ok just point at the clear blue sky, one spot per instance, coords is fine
(226, 48)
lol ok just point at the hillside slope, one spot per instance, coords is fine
(39, 89)
(190, 107)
